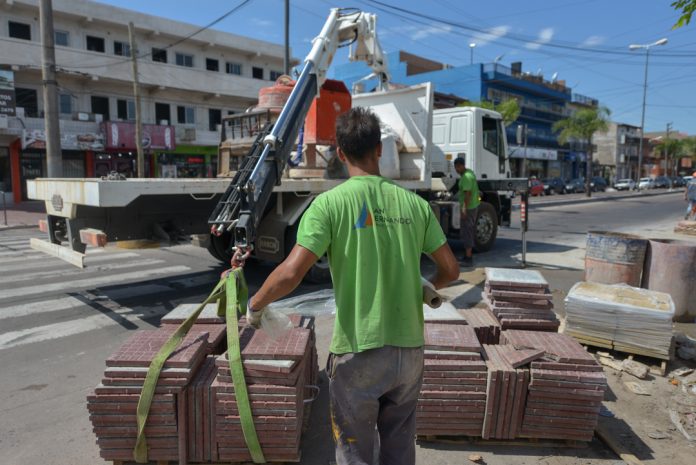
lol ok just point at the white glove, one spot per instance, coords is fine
(253, 316)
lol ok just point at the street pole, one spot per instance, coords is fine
(524, 162)
(50, 90)
(471, 47)
(642, 118)
(588, 169)
(136, 93)
(667, 131)
(286, 60)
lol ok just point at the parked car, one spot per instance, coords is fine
(687, 180)
(646, 183)
(662, 182)
(536, 187)
(598, 184)
(625, 185)
(575, 186)
(678, 181)
(554, 186)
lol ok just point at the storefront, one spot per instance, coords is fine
(120, 152)
(187, 161)
(540, 162)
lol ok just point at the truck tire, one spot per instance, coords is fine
(486, 227)
(319, 273)
(220, 247)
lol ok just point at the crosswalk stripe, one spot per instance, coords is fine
(44, 306)
(35, 255)
(55, 262)
(18, 253)
(90, 282)
(57, 330)
(78, 271)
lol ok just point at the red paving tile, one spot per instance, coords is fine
(141, 348)
(451, 337)
(559, 347)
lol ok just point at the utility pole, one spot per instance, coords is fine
(136, 94)
(667, 131)
(286, 60)
(50, 90)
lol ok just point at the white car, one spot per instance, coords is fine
(688, 179)
(625, 185)
(646, 183)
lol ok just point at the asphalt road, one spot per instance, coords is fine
(58, 324)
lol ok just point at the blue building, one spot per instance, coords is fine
(542, 103)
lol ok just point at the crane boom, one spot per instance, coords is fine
(242, 206)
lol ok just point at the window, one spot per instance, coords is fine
(95, 44)
(211, 64)
(214, 118)
(122, 48)
(65, 104)
(125, 109)
(19, 30)
(493, 139)
(27, 99)
(186, 115)
(100, 106)
(62, 38)
(159, 55)
(257, 73)
(275, 75)
(183, 59)
(162, 113)
(233, 68)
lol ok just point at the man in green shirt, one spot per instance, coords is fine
(374, 233)
(468, 206)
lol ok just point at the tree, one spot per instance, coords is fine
(671, 148)
(508, 109)
(581, 126)
(687, 8)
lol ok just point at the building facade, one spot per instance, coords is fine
(616, 155)
(541, 102)
(186, 84)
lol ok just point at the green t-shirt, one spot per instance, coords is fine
(468, 183)
(374, 232)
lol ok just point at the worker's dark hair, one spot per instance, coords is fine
(459, 161)
(358, 133)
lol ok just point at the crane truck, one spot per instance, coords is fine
(261, 206)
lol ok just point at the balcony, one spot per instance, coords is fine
(585, 100)
(495, 71)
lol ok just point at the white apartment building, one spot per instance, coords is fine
(617, 151)
(187, 85)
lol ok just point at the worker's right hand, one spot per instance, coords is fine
(253, 317)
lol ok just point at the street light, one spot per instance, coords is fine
(471, 47)
(647, 48)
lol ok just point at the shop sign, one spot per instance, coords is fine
(7, 93)
(533, 153)
(121, 135)
(35, 139)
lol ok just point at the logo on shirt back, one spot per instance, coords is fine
(365, 218)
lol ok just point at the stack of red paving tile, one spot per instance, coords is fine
(113, 403)
(452, 399)
(566, 389)
(520, 299)
(277, 372)
(485, 324)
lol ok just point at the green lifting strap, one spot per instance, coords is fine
(225, 293)
(237, 296)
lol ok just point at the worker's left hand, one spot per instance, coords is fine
(239, 257)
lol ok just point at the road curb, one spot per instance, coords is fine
(555, 203)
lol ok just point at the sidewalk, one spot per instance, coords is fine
(569, 199)
(24, 215)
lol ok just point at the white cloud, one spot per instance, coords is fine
(491, 35)
(545, 36)
(422, 33)
(593, 41)
(261, 22)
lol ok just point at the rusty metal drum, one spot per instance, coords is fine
(670, 266)
(613, 258)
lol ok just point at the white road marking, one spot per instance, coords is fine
(18, 253)
(44, 306)
(90, 282)
(89, 260)
(58, 330)
(77, 271)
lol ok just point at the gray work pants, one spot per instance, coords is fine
(375, 390)
(467, 228)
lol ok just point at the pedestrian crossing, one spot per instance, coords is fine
(44, 299)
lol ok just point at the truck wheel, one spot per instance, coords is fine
(486, 227)
(319, 273)
(220, 247)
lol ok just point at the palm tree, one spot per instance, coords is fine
(508, 109)
(581, 126)
(672, 148)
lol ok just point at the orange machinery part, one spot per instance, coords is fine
(320, 124)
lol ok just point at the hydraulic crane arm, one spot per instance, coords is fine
(242, 206)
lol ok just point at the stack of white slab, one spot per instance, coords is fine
(620, 317)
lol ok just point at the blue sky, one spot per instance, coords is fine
(545, 36)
